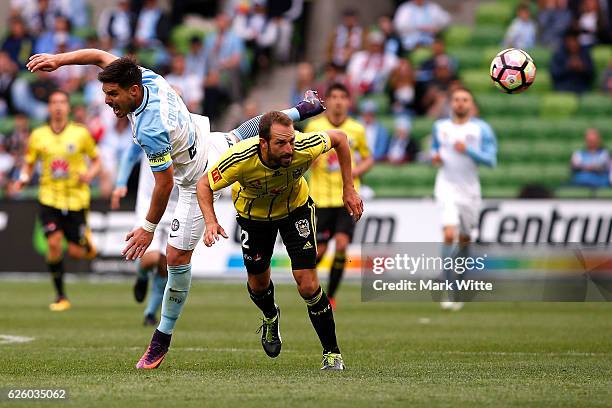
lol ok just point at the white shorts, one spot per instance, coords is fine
(187, 226)
(463, 215)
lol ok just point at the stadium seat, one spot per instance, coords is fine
(182, 34)
(575, 192)
(559, 105)
(7, 125)
(494, 13)
(419, 55)
(381, 100)
(541, 57)
(477, 80)
(595, 105)
(487, 35)
(457, 36)
(421, 128)
(491, 104)
(468, 57)
(601, 56)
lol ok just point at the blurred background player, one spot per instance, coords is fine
(460, 143)
(69, 159)
(271, 196)
(333, 220)
(154, 259)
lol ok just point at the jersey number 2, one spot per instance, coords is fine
(244, 237)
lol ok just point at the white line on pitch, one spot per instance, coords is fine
(8, 339)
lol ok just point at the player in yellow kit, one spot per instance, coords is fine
(333, 221)
(63, 148)
(271, 196)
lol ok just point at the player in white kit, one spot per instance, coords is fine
(459, 145)
(178, 146)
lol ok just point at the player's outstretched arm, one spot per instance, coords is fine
(351, 199)
(309, 107)
(87, 56)
(205, 200)
(140, 239)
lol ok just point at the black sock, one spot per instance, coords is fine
(336, 272)
(57, 273)
(322, 319)
(264, 300)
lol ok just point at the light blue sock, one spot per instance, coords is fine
(157, 294)
(175, 296)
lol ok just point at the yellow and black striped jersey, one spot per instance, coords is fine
(263, 193)
(63, 159)
(325, 180)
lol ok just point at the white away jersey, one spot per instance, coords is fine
(167, 132)
(457, 179)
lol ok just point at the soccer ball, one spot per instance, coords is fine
(513, 70)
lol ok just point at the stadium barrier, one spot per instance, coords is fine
(385, 220)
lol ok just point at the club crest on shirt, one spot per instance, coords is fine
(297, 173)
(256, 184)
(303, 228)
(276, 173)
(71, 148)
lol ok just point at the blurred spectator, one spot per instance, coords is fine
(377, 136)
(75, 10)
(304, 81)
(332, 74)
(571, 67)
(402, 88)
(188, 86)
(393, 44)
(435, 101)
(592, 24)
(30, 97)
(258, 32)
(152, 26)
(18, 43)
(69, 78)
(403, 148)
(417, 22)
(591, 165)
(369, 70)
(195, 60)
(17, 141)
(42, 18)
(223, 50)
(250, 109)
(554, 19)
(117, 23)
(606, 84)
(49, 41)
(438, 57)
(346, 39)
(522, 30)
(282, 14)
(7, 163)
(8, 73)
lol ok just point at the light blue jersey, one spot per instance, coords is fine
(167, 132)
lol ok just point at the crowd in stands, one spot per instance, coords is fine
(212, 69)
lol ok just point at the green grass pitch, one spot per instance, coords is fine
(398, 354)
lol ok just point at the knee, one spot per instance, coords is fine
(342, 243)
(307, 285)
(55, 246)
(176, 256)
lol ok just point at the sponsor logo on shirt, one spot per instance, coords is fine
(216, 176)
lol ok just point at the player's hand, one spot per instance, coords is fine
(213, 230)
(15, 187)
(43, 62)
(460, 147)
(353, 203)
(116, 197)
(138, 242)
(436, 159)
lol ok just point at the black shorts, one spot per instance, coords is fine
(258, 238)
(72, 223)
(333, 220)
